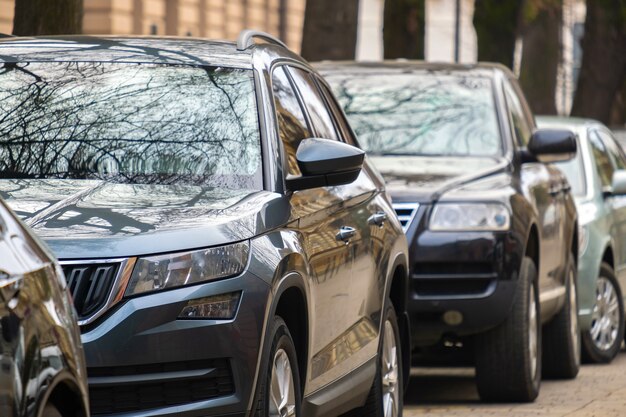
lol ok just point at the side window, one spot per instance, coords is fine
(521, 128)
(292, 126)
(321, 120)
(344, 127)
(602, 159)
(616, 153)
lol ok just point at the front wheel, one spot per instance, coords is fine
(385, 397)
(508, 357)
(561, 340)
(602, 342)
(280, 394)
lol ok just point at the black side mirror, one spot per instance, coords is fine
(552, 145)
(325, 162)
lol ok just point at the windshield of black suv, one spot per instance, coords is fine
(129, 123)
(420, 113)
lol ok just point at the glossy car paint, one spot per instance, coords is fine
(603, 216)
(41, 357)
(542, 214)
(333, 291)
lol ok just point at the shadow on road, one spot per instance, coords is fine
(441, 386)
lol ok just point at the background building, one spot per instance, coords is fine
(219, 19)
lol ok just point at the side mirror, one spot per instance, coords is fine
(552, 145)
(325, 162)
(618, 185)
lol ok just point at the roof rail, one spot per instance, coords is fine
(246, 39)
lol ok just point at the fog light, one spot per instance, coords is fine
(217, 307)
(453, 318)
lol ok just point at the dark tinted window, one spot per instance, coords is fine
(616, 153)
(601, 158)
(321, 120)
(129, 123)
(419, 113)
(292, 126)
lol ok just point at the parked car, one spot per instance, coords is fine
(491, 223)
(229, 250)
(598, 179)
(42, 367)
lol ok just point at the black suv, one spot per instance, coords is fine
(229, 250)
(491, 224)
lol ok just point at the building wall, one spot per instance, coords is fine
(218, 19)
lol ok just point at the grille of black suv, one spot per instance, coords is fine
(445, 279)
(90, 285)
(405, 212)
(120, 389)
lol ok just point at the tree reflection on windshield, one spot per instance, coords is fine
(129, 123)
(420, 113)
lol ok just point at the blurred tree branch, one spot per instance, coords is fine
(603, 70)
(496, 23)
(403, 31)
(48, 17)
(330, 29)
(540, 25)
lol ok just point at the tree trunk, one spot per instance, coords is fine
(496, 24)
(618, 111)
(541, 53)
(48, 17)
(603, 66)
(330, 29)
(403, 31)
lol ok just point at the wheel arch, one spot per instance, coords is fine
(533, 246)
(64, 393)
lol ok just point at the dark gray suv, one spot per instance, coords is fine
(229, 249)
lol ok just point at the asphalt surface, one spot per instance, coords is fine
(598, 391)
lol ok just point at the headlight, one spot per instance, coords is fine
(161, 272)
(470, 217)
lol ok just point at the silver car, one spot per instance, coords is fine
(598, 179)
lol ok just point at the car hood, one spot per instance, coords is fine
(81, 219)
(425, 178)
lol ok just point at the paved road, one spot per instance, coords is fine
(599, 391)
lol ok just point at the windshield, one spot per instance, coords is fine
(420, 113)
(129, 123)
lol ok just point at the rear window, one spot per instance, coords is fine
(130, 123)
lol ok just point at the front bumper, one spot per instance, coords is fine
(461, 283)
(143, 361)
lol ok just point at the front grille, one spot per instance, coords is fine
(90, 285)
(405, 212)
(451, 279)
(466, 287)
(452, 268)
(143, 387)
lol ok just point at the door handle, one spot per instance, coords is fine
(346, 233)
(377, 219)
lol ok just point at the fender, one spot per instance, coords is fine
(59, 378)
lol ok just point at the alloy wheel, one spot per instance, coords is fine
(605, 317)
(282, 391)
(390, 372)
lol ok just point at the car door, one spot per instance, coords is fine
(329, 230)
(616, 203)
(543, 182)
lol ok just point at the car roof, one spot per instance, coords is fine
(402, 66)
(125, 49)
(577, 124)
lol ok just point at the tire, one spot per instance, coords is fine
(602, 342)
(282, 358)
(508, 357)
(561, 337)
(383, 397)
(51, 411)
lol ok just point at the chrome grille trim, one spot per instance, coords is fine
(118, 282)
(406, 213)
